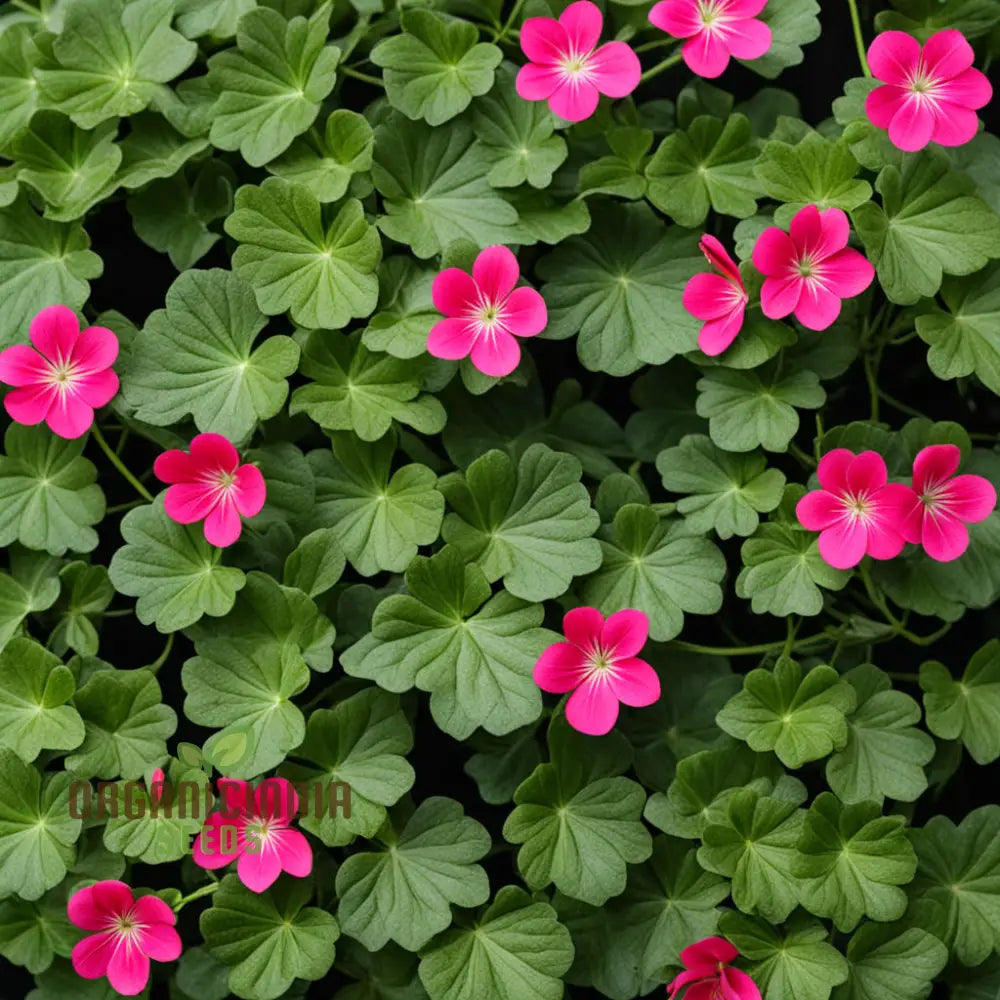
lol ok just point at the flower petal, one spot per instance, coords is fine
(161, 943)
(954, 126)
(496, 272)
(706, 54)
(276, 798)
(543, 40)
(174, 466)
(893, 57)
(934, 464)
(582, 627)
(23, 365)
(92, 954)
(128, 970)
(90, 908)
(249, 491)
(223, 525)
(717, 255)
(704, 956)
(560, 668)
(866, 473)
(625, 632)
(258, 870)
(634, 682)
(97, 389)
(971, 89)
(737, 985)
(30, 404)
(676, 17)
(538, 83)
(832, 470)
(943, 537)
(214, 452)
(294, 853)
(592, 708)
(454, 292)
(187, 503)
(96, 349)
(971, 498)
(817, 308)
(68, 416)
(847, 273)
(452, 339)
(218, 832)
(773, 252)
(780, 296)
(843, 544)
(615, 69)
(748, 39)
(912, 125)
(524, 314)
(574, 99)
(884, 540)
(708, 296)
(901, 508)
(818, 510)
(717, 334)
(497, 354)
(54, 331)
(882, 103)
(946, 54)
(153, 910)
(582, 21)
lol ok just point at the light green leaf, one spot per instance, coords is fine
(659, 567)
(542, 219)
(501, 763)
(622, 173)
(126, 71)
(974, 18)
(887, 966)
(532, 526)
(517, 948)
(196, 356)
(800, 717)
(404, 892)
(154, 149)
(379, 517)
(17, 601)
(271, 87)
(86, 592)
(152, 833)
(477, 664)
(197, 18)
(268, 939)
(406, 310)
(793, 23)
(18, 87)
(32, 934)
(436, 66)
(316, 564)
(175, 573)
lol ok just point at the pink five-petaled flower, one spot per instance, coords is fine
(253, 829)
(709, 976)
(567, 67)
(210, 485)
(942, 504)
(856, 512)
(131, 932)
(929, 94)
(809, 269)
(64, 377)
(486, 313)
(719, 299)
(598, 664)
(715, 30)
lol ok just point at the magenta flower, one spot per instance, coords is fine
(567, 67)
(485, 313)
(709, 976)
(253, 829)
(210, 485)
(856, 512)
(930, 94)
(719, 299)
(598, 664)
(64, 377)
(942, 504)
(131, 932)
(715, 30)
(810, 268)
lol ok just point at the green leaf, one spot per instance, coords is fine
(48, 495)
(885, 753)
(18, 87)
(659, 567)
(724, 492)
(32, 934)
(127, 725)
(800, 717)
(316, 564)
(62, 980)
(755, 846)
(708, 165)
(434, 187)
(967, 709)
(197, 18)
(436, 66)
(756, 408)
(814, 171)
(532, 526)
(326, 164)
(793, 23)
(406, 310)
(86, 592)
(518, 136)
(954, 894)
(247, 685)
(196, 356)
(354, 389)
(851, 862)
(476, 664)
(71, 169)
(322, 273)
(929, 222)
(270, 89)
(362, 741)
(138, 53)
(517, 948)
(175, 573)
(37, 833)
(268, 939)
(542, 219)
(152, 833)
(154, 149)
(665, 397)
(795, 963)
(34, 715)
(388, 974)
(502, 763)
(621, 174)
(42, 263)
(404, 892)
(887, 966)
(974, 18)
(379, 517)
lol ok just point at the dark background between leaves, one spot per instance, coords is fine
(136, 279)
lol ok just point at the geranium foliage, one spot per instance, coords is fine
(497, 499)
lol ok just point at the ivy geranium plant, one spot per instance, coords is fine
(498, 499)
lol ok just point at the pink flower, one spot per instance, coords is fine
(598, 664)
(157, 783)
(810, 268)
(567, 67)
(719, 299)
(708, 975)
(715, 30)
(131, 932)
(856, 511)
(929, 94)
(65, 377)
(253, 829)
(211, 486)
(485, 313)
(942, 504)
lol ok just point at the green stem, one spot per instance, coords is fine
(903, 338)
(120, 613)
(762, 647)
(119, 464)
(878, 600)
(661, 67)
(658, 43)
(154, 667)
(364, 77)
(119, 507)
(858, 38)
(805, 458)
(122, 438)
(871, 375)
(902, 407)
(898, 675)
(509, 23)
(205, 890)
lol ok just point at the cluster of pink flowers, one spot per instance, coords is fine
(858, 512)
